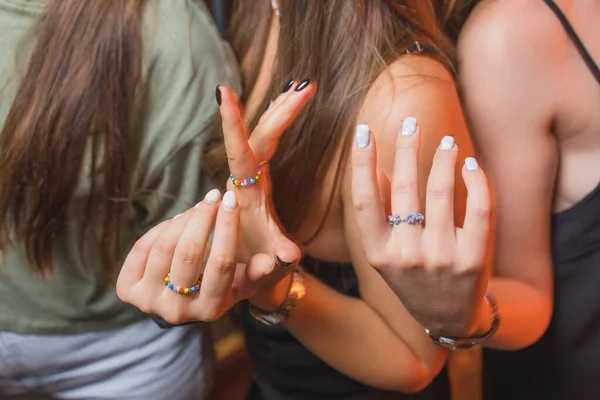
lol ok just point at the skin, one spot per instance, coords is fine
(376, 341)
(537, 137)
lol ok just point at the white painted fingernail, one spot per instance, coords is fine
(212, 197)
(362, 136)
(177, 216)
(471, 164)
(447, 143)
(229, 200)
(409, 126)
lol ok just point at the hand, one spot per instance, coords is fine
(439, 271)
(178, 248)
(261, 231)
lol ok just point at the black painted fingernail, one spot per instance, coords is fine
(268, 105)
(283, 263)
(303, 85)
(288, 86)
(218, 94)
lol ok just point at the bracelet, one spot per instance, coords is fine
(295, 293)
(463, 343)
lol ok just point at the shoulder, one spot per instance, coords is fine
(413, 86)
(519, 34)
(417, 86)
(511, 48)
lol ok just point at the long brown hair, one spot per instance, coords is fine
(76, 101)
(344, 46)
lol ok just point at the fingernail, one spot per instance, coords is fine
(303, 84)
(268, 105)
(288, 86)
(283, 263)
(212, 197)
(177, 216)
(409, 126)
(471, 164)
(362, 136)
(447, 143)
(229, 201)
(218, 94)
(271, 267)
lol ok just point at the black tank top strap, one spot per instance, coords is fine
(575, 38)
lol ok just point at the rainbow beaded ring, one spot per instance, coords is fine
(248, 181)
(410, 219)
(179, 289)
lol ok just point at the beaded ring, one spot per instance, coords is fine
(409, 219)
(248, 181)
(179, 289)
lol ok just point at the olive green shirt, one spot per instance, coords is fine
(184, 60)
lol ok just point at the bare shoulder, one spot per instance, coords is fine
(413, 86)
(417, 86)
(519, 32)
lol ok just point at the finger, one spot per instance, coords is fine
(135, 263)
(370, 215)
(161, 254)
(286, 91)
(222, 261)
(474, 235)
(405, 179)
(266, 135)
(189, 253)
(440, 191)
(259, 266)
(241, 160)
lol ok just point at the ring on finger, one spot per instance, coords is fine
(182, 290)
(410, 219)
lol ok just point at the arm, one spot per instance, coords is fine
(375, 340)
(509, 104)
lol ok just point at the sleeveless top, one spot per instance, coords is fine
(286, 370)
(565, 363)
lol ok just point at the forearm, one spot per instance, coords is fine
(350, 336)
(525, 313)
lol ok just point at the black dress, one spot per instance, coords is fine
(565, 363)
(286, 370)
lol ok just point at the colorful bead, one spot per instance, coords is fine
(247, 181)
(410, 219)
(179, 289)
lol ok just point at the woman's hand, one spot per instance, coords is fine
(439, 271)
(261, 231)
(179, 249)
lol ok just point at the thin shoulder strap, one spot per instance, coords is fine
(575, 39)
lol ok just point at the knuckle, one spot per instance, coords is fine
(439, 192)
(146, 306)
(237, 153)
(377, 261)
(188, 254)
(410, 260)
(404, 186)
(481, 213)
(224, 262)
(361, 204)
(164, 246)
(142, 246)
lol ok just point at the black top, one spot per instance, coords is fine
(286, 370)
(565, 363)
